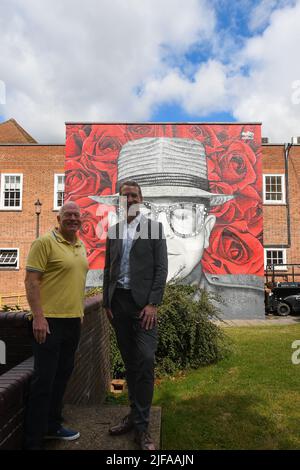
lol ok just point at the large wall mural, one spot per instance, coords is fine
(202, 181)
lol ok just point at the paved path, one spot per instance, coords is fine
(93, 423)
(268, 320)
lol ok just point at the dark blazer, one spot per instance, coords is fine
(148, 261)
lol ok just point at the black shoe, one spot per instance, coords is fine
(123, 427)
(63, 434)
(144, 440)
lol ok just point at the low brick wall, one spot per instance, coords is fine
(14, 333)
(91, 376)
(88, 384)
(14, 388)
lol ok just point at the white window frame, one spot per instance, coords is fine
(11, 268)
(282, 201)
(276, 268)
(56, 207)
(2, 207)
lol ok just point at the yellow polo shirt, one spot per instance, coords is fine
(64, 267)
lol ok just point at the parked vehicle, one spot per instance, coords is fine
(282, 292)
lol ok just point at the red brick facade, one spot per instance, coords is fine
(39, 163)
(281, 221)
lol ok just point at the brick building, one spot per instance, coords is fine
(30, 171)
(281, 185)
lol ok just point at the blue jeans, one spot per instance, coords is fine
(53, 365)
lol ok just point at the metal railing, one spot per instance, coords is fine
(14, 300)
(288, 272)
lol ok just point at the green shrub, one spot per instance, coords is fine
(12, 308)
(187, 336)
(116, 362)
(92, 291)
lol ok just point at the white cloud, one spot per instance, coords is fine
(75, 60)
(204, 94)
(266, 94)
(261, 13)
(256, 84)
(103, 60)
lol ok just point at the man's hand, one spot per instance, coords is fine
(40, 329)
(149, 317)
(109, 314)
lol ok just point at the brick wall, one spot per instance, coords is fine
(14, 387)
(91, 377)
(88, 384)
(14, 332)
(275, 216)
(38, 164)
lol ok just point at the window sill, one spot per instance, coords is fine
(11, 209)
(2, 268)
(274, 203)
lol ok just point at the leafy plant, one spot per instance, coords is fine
(12, 308)
(188, 337)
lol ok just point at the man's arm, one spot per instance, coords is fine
(106, 273)
(160, 268)
(106, 278)
(40, 325)
(149, 312)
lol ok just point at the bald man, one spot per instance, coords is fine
(55, 281)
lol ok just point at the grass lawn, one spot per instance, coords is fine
(251, 400)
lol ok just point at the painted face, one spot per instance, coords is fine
(187, 229)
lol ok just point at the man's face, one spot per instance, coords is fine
(70, 219)
(187, 229)
(133, 199)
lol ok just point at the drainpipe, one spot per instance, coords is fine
(287, 148)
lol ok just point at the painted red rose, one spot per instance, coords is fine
(258, 172)
(140, 131)
(76, 135)
(101, 149)
(104, 142)
(251, 214)
(233, 252)
(93, 230)
(235, 165)
(85, 182)
(229, 210)
(201, 132)
(96, 258)
(80, 129)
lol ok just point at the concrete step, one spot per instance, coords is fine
(93, 423)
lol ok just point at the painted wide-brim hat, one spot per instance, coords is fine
(166, 167)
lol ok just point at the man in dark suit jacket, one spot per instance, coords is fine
(135, 273)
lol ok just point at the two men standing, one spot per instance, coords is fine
(55, 282)
(135, 273)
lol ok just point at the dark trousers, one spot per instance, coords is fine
(53, 365)
(137, 347)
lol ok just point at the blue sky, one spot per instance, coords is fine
(150, 60)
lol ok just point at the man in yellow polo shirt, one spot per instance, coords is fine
(55, 281)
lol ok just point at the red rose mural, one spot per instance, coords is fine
(234, 168)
